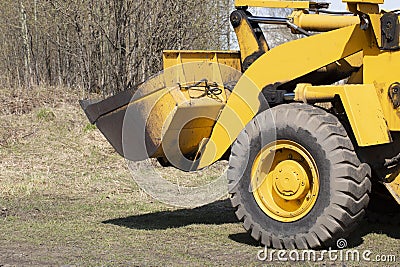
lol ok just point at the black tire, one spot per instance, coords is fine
(344, 180)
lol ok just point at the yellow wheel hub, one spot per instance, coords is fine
(285, 181)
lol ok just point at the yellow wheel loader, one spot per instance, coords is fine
(311, 127)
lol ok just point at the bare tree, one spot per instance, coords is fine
(102, 46)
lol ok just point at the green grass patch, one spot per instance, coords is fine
(45, 114)
(89, 127)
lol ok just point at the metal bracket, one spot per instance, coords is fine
(394, 94)
(390, 31)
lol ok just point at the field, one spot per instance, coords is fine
(67, 199)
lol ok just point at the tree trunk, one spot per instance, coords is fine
(25, 37)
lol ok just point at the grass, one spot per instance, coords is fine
(89, 127)
(66, 198)
(45, 114)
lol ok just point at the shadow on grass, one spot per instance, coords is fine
(244, 238)
(221, 212)
(365, 227)
(218, 212)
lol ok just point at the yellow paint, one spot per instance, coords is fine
(363, 7)
(273, 3)
(178, 119)
(362, 107)
(381, 69)
(376, 26)
(321, 23)
(277, 65)
(248, 42)
(285, 181)
(176, 57)
(394, 187)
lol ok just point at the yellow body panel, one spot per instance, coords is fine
(381, 69)
(362, 107)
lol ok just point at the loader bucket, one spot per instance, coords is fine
(172, 114)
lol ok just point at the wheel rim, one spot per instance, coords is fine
(285, 181)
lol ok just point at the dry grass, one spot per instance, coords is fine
(46, 143)
(66, 198)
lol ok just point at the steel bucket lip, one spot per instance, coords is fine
(94, 109)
